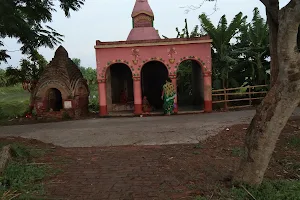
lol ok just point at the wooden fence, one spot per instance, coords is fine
(239, 97)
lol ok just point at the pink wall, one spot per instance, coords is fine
(106, 57)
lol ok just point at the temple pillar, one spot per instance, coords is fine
(207, 92)
(138, 104)
(174, 82)
(102, 98)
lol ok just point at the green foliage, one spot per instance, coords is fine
(270, 190)
(30, 69)
(223, 61)
(197, 32)
(252, 50)
(77, 62)
(184, 81)
(3, 78)
(94, 98)
(23, 176)
(89, 74)
(26, 20)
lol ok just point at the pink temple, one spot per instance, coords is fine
(138, 67)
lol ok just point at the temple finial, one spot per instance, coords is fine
(142, 7)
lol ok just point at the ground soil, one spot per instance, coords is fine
(161, 172)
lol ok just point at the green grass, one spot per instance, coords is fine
(14, 101)
(23, 176)
(270, 190)
(294, 142)
(13, 93)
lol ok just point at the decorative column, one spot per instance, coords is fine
(138, 104)
(102, 97)
(207, 92)
(174, 82)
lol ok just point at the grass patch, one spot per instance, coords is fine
(22, 175)
(14, 101)
(294, 142)
(237, 152)
(270, 190)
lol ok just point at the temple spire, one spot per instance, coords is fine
(142, 22)
(142, 7)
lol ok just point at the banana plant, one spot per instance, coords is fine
(223, 61)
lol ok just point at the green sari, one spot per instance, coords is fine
(169, 97)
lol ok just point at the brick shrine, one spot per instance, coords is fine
(61, 90)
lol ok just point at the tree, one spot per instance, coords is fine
(223, 62)
(282, 99)
(29, 71)
(77, 62)
(284, 96)
(3, 80)
(89, 73)
(26, 21)
(252, 49)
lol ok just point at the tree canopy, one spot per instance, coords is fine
(26, 20)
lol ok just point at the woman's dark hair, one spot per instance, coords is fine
(168, 79)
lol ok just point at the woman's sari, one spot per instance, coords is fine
(169, 94)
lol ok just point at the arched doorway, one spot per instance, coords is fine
(153, 77)
(55, 102)
(190, 90)
(119, 88)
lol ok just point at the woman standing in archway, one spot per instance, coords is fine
(168, 96)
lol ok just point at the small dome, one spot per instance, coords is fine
(143, 33)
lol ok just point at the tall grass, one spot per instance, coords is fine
(14, 101)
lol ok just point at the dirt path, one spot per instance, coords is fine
(181, 171)
(130, 131)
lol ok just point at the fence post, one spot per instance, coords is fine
(225, 100)
(249, 92)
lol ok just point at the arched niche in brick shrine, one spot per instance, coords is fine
(61, 90)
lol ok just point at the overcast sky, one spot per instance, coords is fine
(110, 20)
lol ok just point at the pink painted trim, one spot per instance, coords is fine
(137, 92)
(102, 94)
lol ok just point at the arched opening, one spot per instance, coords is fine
(119, 88)
(55, 102)
(190, 90)
(153, 76)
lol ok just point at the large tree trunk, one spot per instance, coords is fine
(279, 104)
(272, 19)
